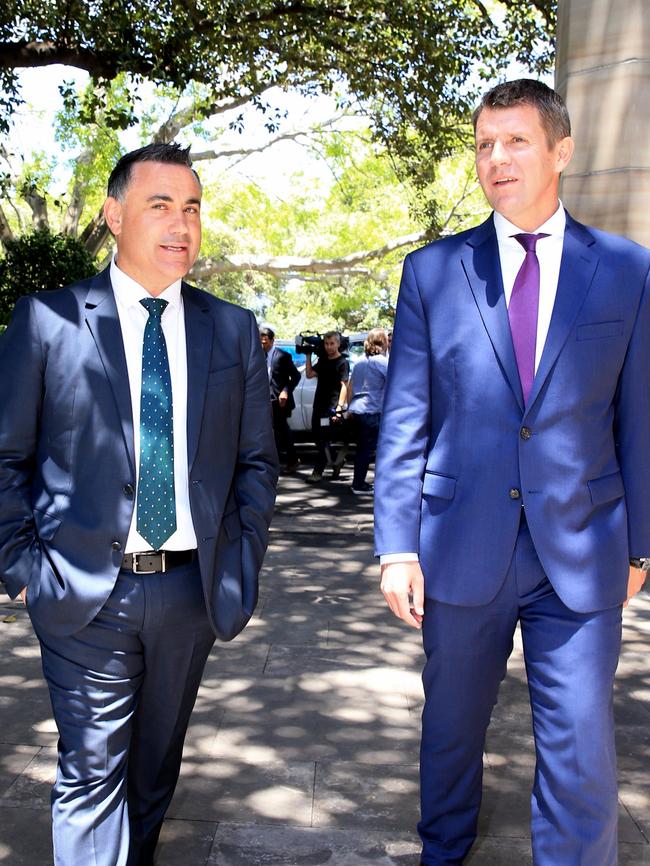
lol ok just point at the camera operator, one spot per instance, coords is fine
(333, 371)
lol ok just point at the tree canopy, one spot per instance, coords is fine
(410, 62)
(193, 69)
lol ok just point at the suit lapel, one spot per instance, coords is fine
(104, 325)
(198, 335)
(483, 269)
(577, 271)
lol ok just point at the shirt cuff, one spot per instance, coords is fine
(387, 558)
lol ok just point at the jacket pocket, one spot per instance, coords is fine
(595, 330)
(441, 486)
(606, 488)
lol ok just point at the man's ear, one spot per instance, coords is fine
(113, 215)
(564, 153)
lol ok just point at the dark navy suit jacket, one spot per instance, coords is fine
(67, 462)
(283, 375)
(459, 454)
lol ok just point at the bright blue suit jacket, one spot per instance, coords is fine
(455, 464)
(67, 462)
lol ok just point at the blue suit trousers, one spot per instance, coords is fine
(571, 660)
(122, 692)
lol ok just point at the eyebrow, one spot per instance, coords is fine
(160, 196)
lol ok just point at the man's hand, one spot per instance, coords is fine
(635, 582)
(23, 595)
(403, 586)
(283, 396)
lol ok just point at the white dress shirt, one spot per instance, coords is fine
(549, 255)
(511, 256)
(133, 318)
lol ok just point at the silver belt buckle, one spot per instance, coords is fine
(137, 570)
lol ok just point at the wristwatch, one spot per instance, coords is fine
(642, 562)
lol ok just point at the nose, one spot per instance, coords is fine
(499, 154)
(178, 223)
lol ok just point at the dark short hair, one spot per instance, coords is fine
(527, 91)
(265, 331)
(172, 154)
(328, 334)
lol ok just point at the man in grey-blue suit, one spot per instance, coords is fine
(137, 481)
(512, 483)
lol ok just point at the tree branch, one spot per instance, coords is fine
(485, 14)
(467, 192)
(287, 265)
(95, 234)
(168, 131)
(5, 229)
(20, 54)
(247, 151)
(38, 206)
(70, 222)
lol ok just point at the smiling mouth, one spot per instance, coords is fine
(504, 180)
(172, 248)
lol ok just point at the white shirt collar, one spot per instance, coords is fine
(129, 293)
(553, 226)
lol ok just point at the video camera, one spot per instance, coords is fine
(313, 342)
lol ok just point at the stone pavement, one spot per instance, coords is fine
(303, 745)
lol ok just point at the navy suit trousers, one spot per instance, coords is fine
(571, 660)
(122, 692)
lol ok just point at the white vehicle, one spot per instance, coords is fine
(300, 419)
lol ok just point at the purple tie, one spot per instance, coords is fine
(522, 312)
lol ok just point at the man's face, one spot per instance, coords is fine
(266, 342)
(518, 171)
(157, 226)
(331, 346)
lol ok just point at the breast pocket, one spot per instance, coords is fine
(226, 376)
(598, 330)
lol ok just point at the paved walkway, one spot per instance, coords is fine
(303, 745)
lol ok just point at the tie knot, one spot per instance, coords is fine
(154, 306)
(529, 242)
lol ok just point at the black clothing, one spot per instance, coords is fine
(282, 374)
(331, 372)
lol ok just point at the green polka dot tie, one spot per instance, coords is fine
(156, 518)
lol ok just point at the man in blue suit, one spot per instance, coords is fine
(137, 481)
(512, 482)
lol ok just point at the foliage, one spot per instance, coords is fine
(412, 69)
(413, 65)
(39, 260)
(365, 205)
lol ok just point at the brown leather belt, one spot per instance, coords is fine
(156, 561)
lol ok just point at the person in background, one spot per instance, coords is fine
(333, 372)
(283, 378)
(137, 482)
(365, 398)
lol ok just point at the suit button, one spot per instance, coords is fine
(127, 490)
(116, 545)
(514, 493)
(525, 432)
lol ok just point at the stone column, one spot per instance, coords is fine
(603, 72)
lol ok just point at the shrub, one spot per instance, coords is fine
(40, 260)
